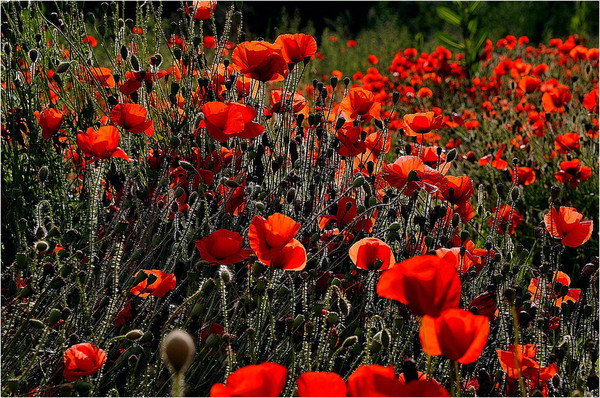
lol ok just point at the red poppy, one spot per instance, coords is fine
(360, 103)
(234, 198)
(424, 388)
(273, 242)
(529, 84)
(345, 215)
(49, 120)
(458, 190)
(259, 60)
(427, 284)
(297, 48)
(350, 140)
(124, 315)
(101, 143)
(374, 381)
(456, 334)
(497, 161)
(299, 105)
(321, 384)
(90, 39)
(504, 214)
(556, 98)
(135, 79)
(424, 92)
(573, 172)
(427, 178)
(223, 247)
(567, 142)
(484, 304)
(567, 225)
(82, 359)
(373, 60)
(452, 255)
(223, 121)
(264, 380)
(202, 9)
(132, 117)
(372, 254)
(526, 175)
(559, 278)
(527, 366)
(163, 283)
(422, 123)
(104, 76)
(590, 101)
(376, 143)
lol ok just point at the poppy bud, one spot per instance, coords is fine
(33, 55)
(177, 53)
(395, 97)
(134, 62)
(36, 323)
(43, 173)
(375, 346)
(124, 52)
(510, 294)
(554, 192)
(42, 246)
(451, 155)
(134, 334)
(177, 350)
(156, 60)
(63, 67)
(346, 81)
(455, 220)
(412, 176)
(349, 342)
(82, 387)
(187, 166)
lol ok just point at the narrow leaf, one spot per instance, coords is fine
(448, 15)
(447, 40)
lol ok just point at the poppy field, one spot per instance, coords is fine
(190, 212)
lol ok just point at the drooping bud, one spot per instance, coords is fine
(177, 350)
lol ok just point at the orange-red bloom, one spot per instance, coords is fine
(350, 141)
(162, 284)
(273, 242)
(380, 381)
(422, 123)
(529, 84)
(559, 298)
(567, 142)
(132, 117)
(372, 254)
(458, 190)
(526, 175)
(264, 380)
(525, 364)
(299, 105)
(397, 173)
(346, 214)
(104, 76)
(82, 359)
(567, 225)
(297, 48)
(203, 9)
(573, 172)
(223, 121)
(360, 103)
(223, 247)
(504, 214)
(427, 284)
(49, 120)
(321, 384)
(259, 60)
(456, 334)
(101, 143)
(497, 161)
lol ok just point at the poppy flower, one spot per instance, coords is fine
(573, 172)
(345, 215)
(162, 285)
(264, 380)
(90, 39)
(427, 284)
(397, 175)
(124, 315)
(223, 247)
(373, 60)
(297, 48)
(566, 143)
(82, 359)
(234, 198)
(590, 101)
(456, 334)
(423, 388)
(560, 279)
(376, 143)
(373, 381)
(526, 175)
(568, 226)
(452, 255)
(525, 363)
(484, 304)
(299, 104)
(458, 190)
(504, 214)
(424, 92)
(372, 254)
(321, 384)
(49, 120)
(497, 161)
(202, 9)
(259, 60)
(422, 123)
(350, 140)
(132, 117)
(529, 84)
(272, 240)
(223, 121)
(360, 103)
(556, 98)
(101, 143)
(103, 75)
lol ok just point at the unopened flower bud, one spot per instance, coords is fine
(177, 350)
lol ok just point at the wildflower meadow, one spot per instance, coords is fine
(191, 209)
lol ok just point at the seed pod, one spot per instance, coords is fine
(177, 350)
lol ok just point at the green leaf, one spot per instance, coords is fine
(479, 41)
(448, 15)
(472, 26)
(476, 5)
(447, 40)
